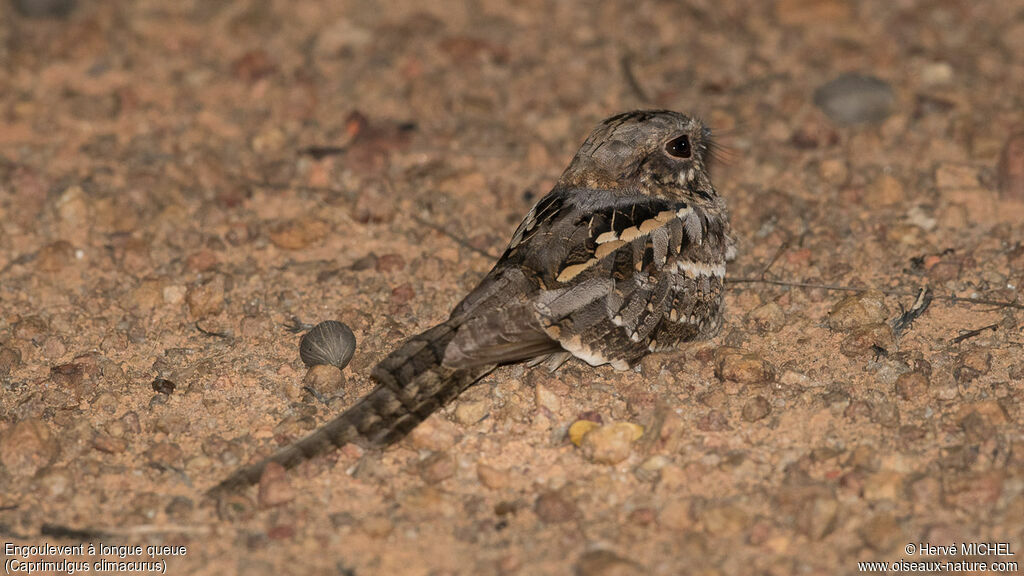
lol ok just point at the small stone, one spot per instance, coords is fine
(855, 99)
(206, 299)
(554, 508)
(469, 412)
(768, 317)
(886, 190)
(546, 399)
(180, 507)
(579, 429)
(971, 364)
(973, 491)
(491, 477)
(885, 485)
(56, 483)
(298, 234)
(936, 73)
(55, 257)
(606, 563)
(756, 408)
(437, 467)
(882, 532)
(858, 310)
(734, 365)
(403, 293)
(912, 385)
(377, 527)
(325, 379)
(612, 443)
(26, 447)
(873, 339)
(1011, 168)
(676, 515)
(163, 386)
(714, 421)
(109, 444)
(957, 177)
(10, 358)
(436, 434)
(390, 263)
(165, 455)
(274, 489)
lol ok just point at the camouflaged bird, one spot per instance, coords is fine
(625, 256)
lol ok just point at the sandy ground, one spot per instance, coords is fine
(180, 179)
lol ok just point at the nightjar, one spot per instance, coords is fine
(625, 256)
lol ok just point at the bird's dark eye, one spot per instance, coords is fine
(679, 147)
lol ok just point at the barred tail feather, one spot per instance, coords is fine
(412, 385)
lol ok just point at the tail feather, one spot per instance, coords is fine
(412, 383)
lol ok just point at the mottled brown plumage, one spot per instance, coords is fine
(625, 256)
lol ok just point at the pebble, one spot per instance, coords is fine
(886, 190)
(857, 310)
(55, 257)
(491, 477)
(873, 339)
(10, 358)
(735, 365)
(274, 489)
(469, 412)
(768, 317)
(26, 447)
(554, 507)
(756, 408)
(1011, 168)
(884, 485)
(435, 434)
(676, 515)
(325, 379)
(936, 73)
(579, 428)
(165, 455)
(971, 364)
(855, 99)
(298, 234)
(882, 532)
(546, 399)
(377, 527)
(611, 443)
(951, 176)
(437, 467)
(606, 563)
(912, 385)
(207, 298)
(109, 444)
(390, 263)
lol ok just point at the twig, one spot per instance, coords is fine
(313, 392)
(954, 299)
(458, 240)
(320, 152)
(296, 326)
(211, 332)
(778, 254)
(972, 333)
(626, 62)
(904, 320)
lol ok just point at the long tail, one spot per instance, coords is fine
(411, 385)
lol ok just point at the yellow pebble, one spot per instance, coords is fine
(579, 429)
